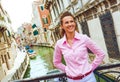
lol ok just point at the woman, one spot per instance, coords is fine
(73, 47)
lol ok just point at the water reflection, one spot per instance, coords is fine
(38, 67)
(41, 64)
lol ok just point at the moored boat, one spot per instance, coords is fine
(31, 53)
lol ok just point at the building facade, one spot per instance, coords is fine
(41, 20)
(96, 18)
(6, 56)
(9, 67)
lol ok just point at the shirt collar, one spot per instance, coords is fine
(77, 36)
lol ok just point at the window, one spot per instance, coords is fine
(35, 32)
(2, 39)
(2, 59)
(9, 20)
(45, 29)
(8, 33)
(45, 20)
(42, 8)
(34, 25)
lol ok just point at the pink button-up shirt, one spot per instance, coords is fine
(76, 56)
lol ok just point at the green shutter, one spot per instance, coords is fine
(35, 32)
(42, 8)
(34, 25)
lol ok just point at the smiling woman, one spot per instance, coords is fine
(73, 48)
(18, 12)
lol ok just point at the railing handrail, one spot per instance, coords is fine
(59, 74)
(45, 77)
(103, 67)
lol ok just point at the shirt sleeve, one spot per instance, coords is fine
(57, 58)
(98, 52)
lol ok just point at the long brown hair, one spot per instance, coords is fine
(62, 31)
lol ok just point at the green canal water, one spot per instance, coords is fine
(41, 64)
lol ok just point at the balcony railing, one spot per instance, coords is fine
(46, 78)
(62, 76)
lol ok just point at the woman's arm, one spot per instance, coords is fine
(57, 59)
(98, 52)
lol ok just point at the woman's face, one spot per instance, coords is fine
(68, 24)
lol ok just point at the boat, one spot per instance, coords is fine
(31, 53)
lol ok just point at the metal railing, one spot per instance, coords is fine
(61, 77)
(100, 76)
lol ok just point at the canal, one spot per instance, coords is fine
(41, 64)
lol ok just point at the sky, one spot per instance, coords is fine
(20, 11)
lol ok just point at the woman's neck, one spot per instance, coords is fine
(70, 36)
